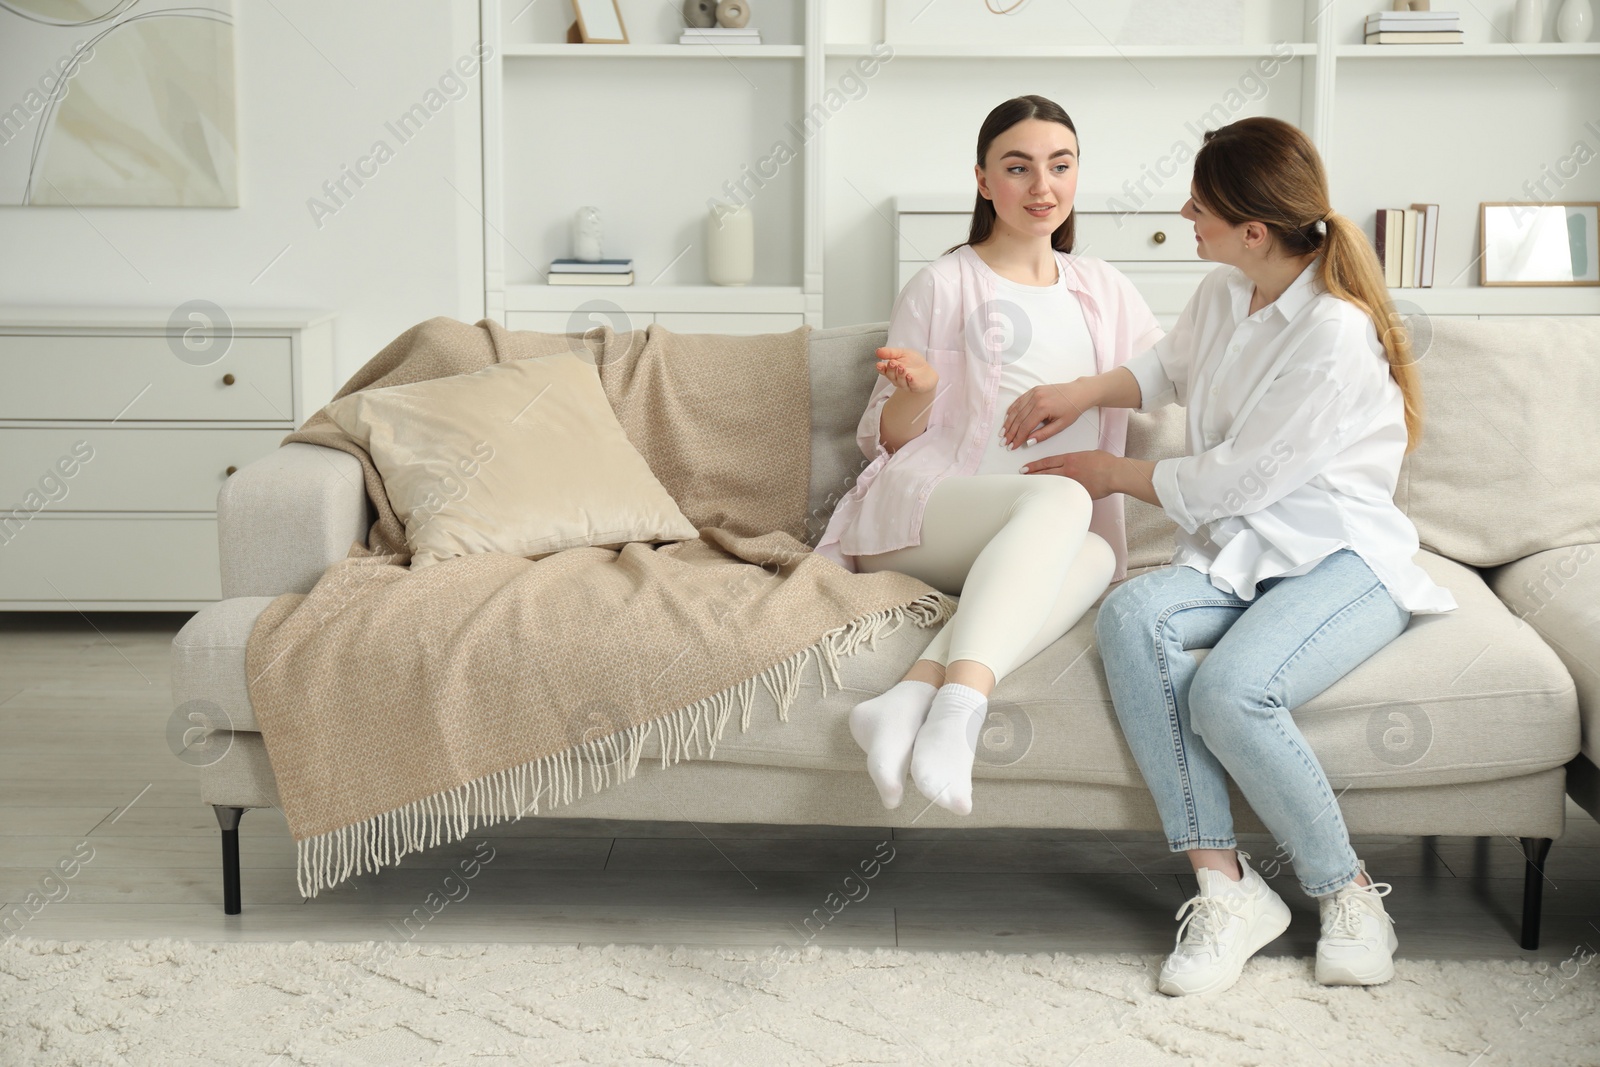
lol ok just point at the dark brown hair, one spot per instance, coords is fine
(1265, 170)
(1018, 109)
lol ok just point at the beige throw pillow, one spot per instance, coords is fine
(1506, 464)
(524, 457)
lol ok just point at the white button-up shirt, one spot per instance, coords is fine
(1295, 433)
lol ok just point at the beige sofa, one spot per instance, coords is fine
(1464, 725)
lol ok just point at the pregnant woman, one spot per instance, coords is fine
(1293, 563)
(992, 328)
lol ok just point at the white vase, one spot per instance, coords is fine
(1527, 25)
(1575, 21)
(730, 244)
(587, 243)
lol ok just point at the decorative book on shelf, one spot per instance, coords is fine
(558, 278)
(590, 272)
(1405, 242)
(716, 35)
(591, 266)
(1414, 27)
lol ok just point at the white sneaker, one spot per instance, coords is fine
(1226, 924)
(1357, 943)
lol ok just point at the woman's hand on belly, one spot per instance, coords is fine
(1044, 411)
(1102, 473)
(1094, 470)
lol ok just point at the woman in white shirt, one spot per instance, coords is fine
(1293, 563)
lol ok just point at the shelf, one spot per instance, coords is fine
(1502, 300)
(1464, 51)
(655, 51)
(696, 298)
(1074, 51)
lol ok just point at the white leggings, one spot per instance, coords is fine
(1017, 550)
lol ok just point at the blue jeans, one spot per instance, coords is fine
(1190, 727)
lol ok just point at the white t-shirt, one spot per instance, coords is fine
(1047, 342)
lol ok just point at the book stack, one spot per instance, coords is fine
(720, 35)
(1414, 27)
(591, 272)
(1406, 239)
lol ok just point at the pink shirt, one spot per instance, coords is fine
(954, 314)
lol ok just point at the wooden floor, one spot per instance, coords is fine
(85, 764)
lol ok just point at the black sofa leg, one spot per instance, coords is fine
(1535, 849)
(228, 819)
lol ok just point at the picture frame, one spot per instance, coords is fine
(599, 22)
(1522, 244)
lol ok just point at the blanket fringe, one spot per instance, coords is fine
(325, 860)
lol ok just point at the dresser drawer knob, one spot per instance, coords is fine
(1160, 237)
(231, 471)
(227, 379)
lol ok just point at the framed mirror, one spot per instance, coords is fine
(599, 22)
(1539, 244)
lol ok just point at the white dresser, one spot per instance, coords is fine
(117, 428)
(1155, 249)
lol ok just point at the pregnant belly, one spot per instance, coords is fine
(1081, 436)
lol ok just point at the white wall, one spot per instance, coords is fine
(316, 85)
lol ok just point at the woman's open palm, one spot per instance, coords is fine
(907, 369)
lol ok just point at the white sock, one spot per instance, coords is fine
(941, 759)
(885, 727)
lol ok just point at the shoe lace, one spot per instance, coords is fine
(1203, 919)
(1344, 921)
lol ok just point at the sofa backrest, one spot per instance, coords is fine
(1507, 463)
(843, 369)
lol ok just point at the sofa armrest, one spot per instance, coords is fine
(1557, 593)
(284, 518)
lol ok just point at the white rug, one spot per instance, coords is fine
(271, 1005)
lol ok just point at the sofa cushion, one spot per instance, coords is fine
(1557, 593)
(1508, 430)
(469, 468)
(1158, 434)
(1465, 696)
(842, 372)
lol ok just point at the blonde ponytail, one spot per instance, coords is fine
(1348, 269)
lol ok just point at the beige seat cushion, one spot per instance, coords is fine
(1557, 593)
(524, 457)
(1467, 696)
(1506, 465)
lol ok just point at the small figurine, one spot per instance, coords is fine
(700, 14)
(733, 14)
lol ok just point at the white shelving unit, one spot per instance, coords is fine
(515, 291)
(1460, 128)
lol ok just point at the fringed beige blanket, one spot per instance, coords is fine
(402, 709)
